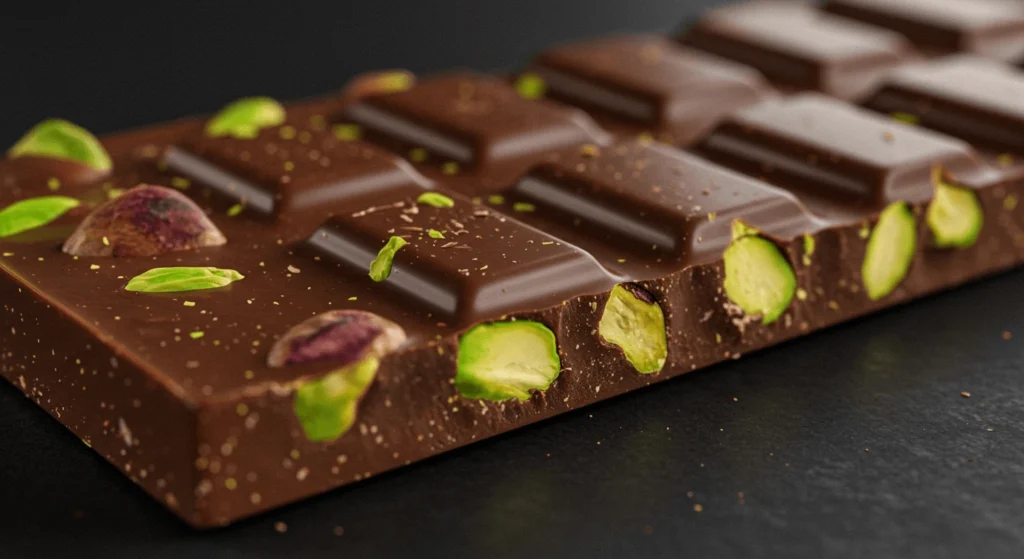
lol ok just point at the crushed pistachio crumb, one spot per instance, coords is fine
(181, 183)
(235, 210)
(347, 132)
(450, 168)
(53, 183)
(189, 303)
(435, 234)
(418, 155)
(496, 199)
(906, 118)
(197, 334)
(523, 207)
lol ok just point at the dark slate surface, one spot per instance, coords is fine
(853, 442)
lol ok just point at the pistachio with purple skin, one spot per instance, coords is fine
(144, 221)
(353, 340)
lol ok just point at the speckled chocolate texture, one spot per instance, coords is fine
(800, 124)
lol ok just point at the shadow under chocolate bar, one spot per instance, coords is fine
(309, 295)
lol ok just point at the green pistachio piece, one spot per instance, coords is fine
(326, 407)
(184, 278)
(758, 278)
(435, 199)
(245, 118)
(505, 360)
(890, 250)
(32, 213)
(380, 268)
(60, 139)
(634, 322)
(954, 216)
(531, 86)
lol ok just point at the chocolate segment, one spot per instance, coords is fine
(467, 122)
(978, 100)
(794, 44)
(838, 159)
(988, 27)
(649, 205)
(482, 265)
(648, 83)
(290, 173)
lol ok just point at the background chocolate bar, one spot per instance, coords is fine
(465, 136)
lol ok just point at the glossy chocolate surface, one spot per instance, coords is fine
(989, 113)
(469, 123)
(477, 265)
(992, 28)
(645, 208)
(838, 157)
(648, 83)
(796, 45)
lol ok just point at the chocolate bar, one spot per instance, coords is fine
(242, 310)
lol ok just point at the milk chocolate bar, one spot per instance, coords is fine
(242, 310)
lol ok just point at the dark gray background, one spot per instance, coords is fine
(854, 442)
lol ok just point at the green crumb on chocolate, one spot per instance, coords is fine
(243, 119)
(326, 407)
(196, 335)
(758, 278)
(235, 210)
(954, 216)
(906, 118)
(505, 360)
(450, 168)
(1010, 202)
(347, 132)
(31, 213)
(435, 234)
(531, 86)
(741, 229)
(523, 207)
(435, 199)
(60, 139)
(53, 183)
(890, 250)
(380, 268)
(496, 199)
(808, 249)
(417, 155)
(634, 322)
(185, 278)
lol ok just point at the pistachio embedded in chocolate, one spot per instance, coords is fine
(954, 216)
(60, 139)
(758, 278)
(144, 221)
(245, 118)
(326, 407)
(890, 250)
(505, 360)
(355, 341)
(341, 336)
(29, 214)
(633, 321)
